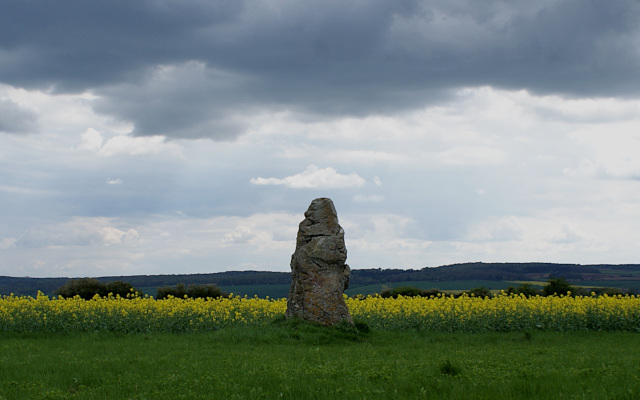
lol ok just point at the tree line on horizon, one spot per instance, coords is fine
(88, 288)
(359, 277)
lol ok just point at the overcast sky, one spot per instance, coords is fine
(189, 136)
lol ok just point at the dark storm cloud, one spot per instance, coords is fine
(190, 68)
(80, 44)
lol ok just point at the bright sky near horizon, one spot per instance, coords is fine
(189, 136)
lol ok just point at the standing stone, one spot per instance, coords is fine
(319, 274)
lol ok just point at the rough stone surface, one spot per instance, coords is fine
(319, 274)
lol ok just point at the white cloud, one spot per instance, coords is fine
(116, 181)
(565, 234)
(240, 234)
(507, 228)
(366, 156)
(8, 243)
(91, 140)
(585, 110)
(465, 155)
(378, 227)
(613, 152)
(62, 113)
(79, 231)
(314, 178)
(134, 146)
(111, 235)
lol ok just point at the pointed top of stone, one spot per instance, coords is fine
(321, 208)
(321, 218)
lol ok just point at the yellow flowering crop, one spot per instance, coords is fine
(138, 314)
(501, 313)
(442, 313)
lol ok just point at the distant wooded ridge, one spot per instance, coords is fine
(625, 276)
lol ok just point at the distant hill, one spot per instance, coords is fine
(622, 276)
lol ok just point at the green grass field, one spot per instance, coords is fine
(302, 361)
(447, 286)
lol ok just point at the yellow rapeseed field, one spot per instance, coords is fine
(442, 313)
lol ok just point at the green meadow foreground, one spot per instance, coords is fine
(296, 360)
(442, 347)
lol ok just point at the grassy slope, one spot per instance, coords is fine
(307, 362)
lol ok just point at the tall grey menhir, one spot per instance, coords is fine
(319, 274)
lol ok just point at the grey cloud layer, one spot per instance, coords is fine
(15, 119)
(192, 68)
